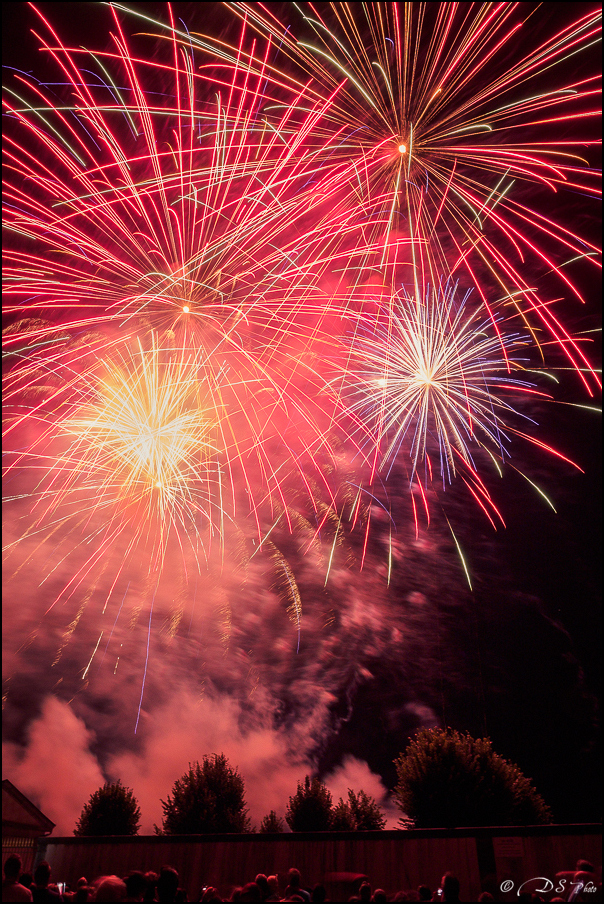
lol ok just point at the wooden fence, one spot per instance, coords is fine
(393, 860)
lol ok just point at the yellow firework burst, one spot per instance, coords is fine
(142, 439)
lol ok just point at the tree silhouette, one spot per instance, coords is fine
(112, 810)
(367, 815)
(271, 824)
(342, 819)
(209, 798)
(360, 813)
(310, 809)
(450, 779)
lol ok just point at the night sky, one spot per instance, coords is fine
(515, 657)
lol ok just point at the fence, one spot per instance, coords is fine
(482, 858)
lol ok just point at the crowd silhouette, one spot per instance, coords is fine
(164, 888)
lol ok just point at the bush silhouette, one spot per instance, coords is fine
(209, 798)
(360, 813)
(450, 779)
(271, 824)
(112, 810)
(310, 808)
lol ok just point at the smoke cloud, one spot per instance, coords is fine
(356, 774)
(187, 728)
(57, 769)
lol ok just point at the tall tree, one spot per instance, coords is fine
(446, 778)
(310, 808)
(112, 810)
(209, 798)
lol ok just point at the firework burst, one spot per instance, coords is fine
(433, 373)
(156, 200)
(126, 460)
(448, 149)
(142, 441)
